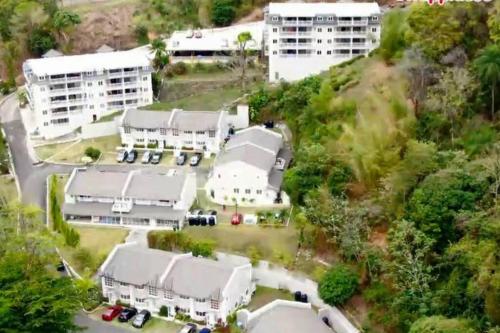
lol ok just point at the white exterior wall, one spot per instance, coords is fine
(224, 179)
(49, 97)
(188, 194)
(318, 45)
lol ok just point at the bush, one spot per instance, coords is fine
(93, 153)
(141, 34)
(204, 248)
(338, 285)
(163, 311)
(223, 12)
(179, 68)
(254, 254)
(84, 258)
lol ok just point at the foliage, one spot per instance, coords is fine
(392, 42)
(163, 311)
(254, 254)
(440, 324)
(41, 41)
(71, 236)
(93, 153)
(177, 240)
(487, 66)
(338, 285)
(4, 155)
(223, 12)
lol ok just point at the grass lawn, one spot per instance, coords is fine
(99, 241)
(74, 151)
(8, 189)
(237, 239)
(265, 295)
(207, 101)
(154, 325)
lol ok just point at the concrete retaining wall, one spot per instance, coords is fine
(95, 130)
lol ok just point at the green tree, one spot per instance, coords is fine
(28, 15)
(159, 62)
(64, 23)
(242, 40)
(10, 53)
(494, 23)
(440, 324)
(40, 41)
(487, 66)
(223, 12)
(338, 285)
(392, 41)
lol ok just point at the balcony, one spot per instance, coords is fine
(338, 44)
(130, 83)
(115, 74)
(60, 113)
(303, 45)
(57, 80)
(288, 45)
(363, 44)
(111, 85)
(342, 55)
(73, 78)
(57, 91)
(131, 73)
(288, 33)
(115, 96)
(75, 89)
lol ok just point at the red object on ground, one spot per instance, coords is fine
(236, 219)
(111, 312)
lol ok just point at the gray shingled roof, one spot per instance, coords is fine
(285, 318)
(258, 136)
(137, 211)
(250, 154)
(195, 120)
(93, 182)
(155, 186)
(198, 277)
(146, 119)
(137, 265)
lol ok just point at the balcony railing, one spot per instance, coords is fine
(115, 96)
(304, 44)
(363, 44)
(73, 78)
(57, 91)
(131, 83)
(115, 74)
(338, 44)
(130, 73)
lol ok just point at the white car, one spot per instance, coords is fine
(146, 158)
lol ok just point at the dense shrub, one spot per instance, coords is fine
(93, 153)
(338, 285)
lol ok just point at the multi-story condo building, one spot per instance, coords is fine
(146, 198)
(66, 92)
(204, 289)
(307, 38)
(249, 170)
(198, 130)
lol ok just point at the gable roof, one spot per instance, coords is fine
(194, 120)
(146, 119)
(137, 265)
(198, 277)
(93, 182)
(156, 186)
(282, 316)
(248, 154)
(257, 136)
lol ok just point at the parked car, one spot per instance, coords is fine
(195, 159)
(132, 156)
(127, 314)
(203, 221)
(121, 156)
(146, 158)
(211, 220)
(111, 312)
(269, 124)
(205, 330)
(60, 267)
(300, 297)
(141, 319)
(181, 159)
(236, 219)
(188, 328)
(156, 157)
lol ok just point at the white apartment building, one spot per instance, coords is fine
(66, 92)
(153, 198)
(303, 39)
(249, 170)
(205, 289)
(178, 129)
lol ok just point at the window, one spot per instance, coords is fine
(108, 281)
(101, 94)
(99, 83)
(319, 41)
(60, 121)
(123, 284)
(144, 78)
(188, 132)
(275, 18)
(211, 133)
(140, 300)
(330, 18)
(259, 191)
(139, 287)
(42, 89)
(169, 294)
(91, 107)
(320, 30)
(200, 300)
(374, 29)
(201, 314)
(200, 132)
(330, 29)
(89, 84)
(275, 29)
(375, 18)
(184, 297)
(318, 52)
(153, 291)
(248, 191)
(236, 190)
(320, 18)
(275, 52)
(126, 297)
(275, 41)
(328, 52)
(175, 132)
(329, 41)
(44, 112)
(163, 131)
(214, 304)
(45, 124)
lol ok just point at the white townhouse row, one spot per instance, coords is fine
(66, 92)
(198, 130)
(303, 39)
(281, 316)
(205, 289)
(149, 198)
(249, 169)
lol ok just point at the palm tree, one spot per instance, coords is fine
(242, 41)
(160, 60)
(487, 66)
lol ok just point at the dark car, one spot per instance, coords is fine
(111, 312)
(60, 267)
(211, 221)
(141, 319)
(132, 156)
(121, 156)
(269, 124)
(188, 328)
(300, 297)
(205, 330)
(181, 159)
(127, 314)
(156, 157)
(203, 221)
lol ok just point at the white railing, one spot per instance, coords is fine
(304, 33)
(115, 96)
(75, 89)
(364, 44)
(342, 55)
(288, 33)
(57, 91)
(114, 84)
(61, 79)
(130, 73)
(60, 113)
(304, 55)
(288, 44)
(305, 23)
(115, 74)
(290, 23)
(342, 44)
(304, 44)
(74, 78)
(133, 83)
